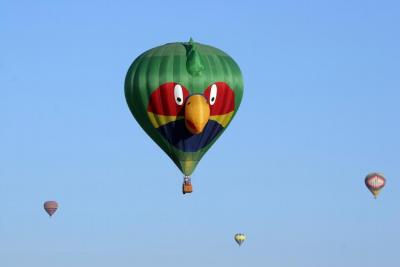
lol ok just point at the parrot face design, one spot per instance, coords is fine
(190, 122)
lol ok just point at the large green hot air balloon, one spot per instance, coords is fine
(184, 95)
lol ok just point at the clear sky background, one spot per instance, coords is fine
(320, 110)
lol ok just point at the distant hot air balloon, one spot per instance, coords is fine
(50, 207)
(184, 95)
(375, 182)
(240, 238)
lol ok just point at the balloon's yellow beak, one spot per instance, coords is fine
(197, 113)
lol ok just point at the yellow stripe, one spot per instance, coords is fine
(223, 119)
(160, 120)
(240, 237)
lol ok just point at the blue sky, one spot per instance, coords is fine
(320, 110)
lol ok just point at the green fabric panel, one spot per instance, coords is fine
(169, 63)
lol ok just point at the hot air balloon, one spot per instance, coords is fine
(184, 95)
(50, 207)
(375, 182)
(240, 238)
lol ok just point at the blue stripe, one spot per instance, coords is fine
(177, 135)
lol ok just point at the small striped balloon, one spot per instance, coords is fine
(50, 207)
(240, 238)
(375, 182)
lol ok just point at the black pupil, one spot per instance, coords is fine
(212, 99)
(178, 99)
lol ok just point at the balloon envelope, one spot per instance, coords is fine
(184, 95)
(50, 207)
(375, 182)
(240, 238)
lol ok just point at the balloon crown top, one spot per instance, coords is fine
(194, 63)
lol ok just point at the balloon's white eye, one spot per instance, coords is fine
(213, 94)
(178, 94)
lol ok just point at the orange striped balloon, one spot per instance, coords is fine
(50, 207)
(375, 182)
